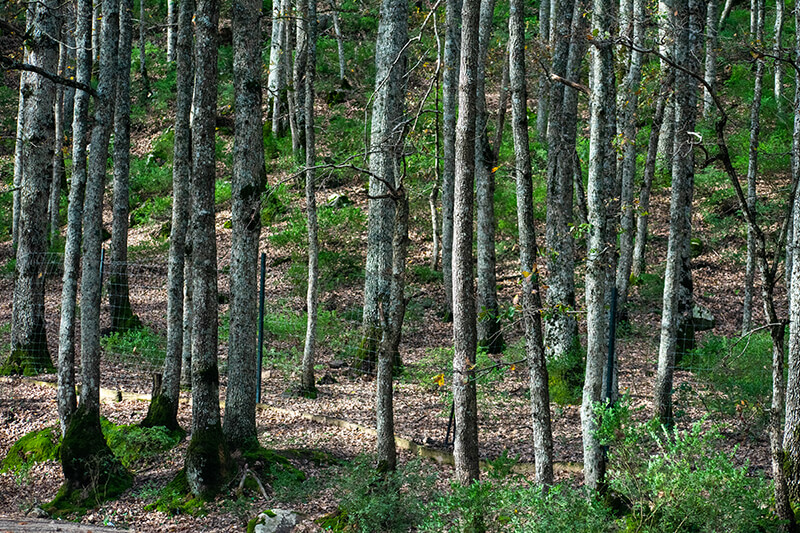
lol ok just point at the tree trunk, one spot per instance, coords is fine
(29, 353)
(386, 147)
(600, 247)
(307, 386)
(172, 34)
(208, 463)
(490, 334)
(667, 38)
(542, 104)
(188, 303)
(712, 35)
(248, 182)
(776, 50)
(122, 315)
(560, 327)
(465, 449)
(531, 297)
(630, 103)
(18, 158)
(676, 322)
(337, 32)
(450, 76)
(67, 401)
(298, 77)
(163, 409)
(145, 96)
(59, 172)
(275, 81)
(643, 212)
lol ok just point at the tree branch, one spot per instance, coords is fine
(9, 64)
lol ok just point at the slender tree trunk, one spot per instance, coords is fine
(307, 385)
(600, 248)
(450, 76)
(29, 352)
(18, 159)
(501, 111)
(172, 32)
(163, 409)
(643, 212)
(67, 401)
(208, 463)
(630, 103)
(188, 303)
(465, 449)
(542, 103)
(726, 10)
(122, 315)
(277, 50)
(677, 307)
(59, 172)
(712, 35)
(667, 38)
(752, 171)
(337, 32)
(386, 147)
(531, 297)
(298, 77)
(490, 334)
(560, 327)
(248, 182)
(145, 96)
(778, 84)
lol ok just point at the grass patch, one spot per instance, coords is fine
(133, 444)
(142, 345)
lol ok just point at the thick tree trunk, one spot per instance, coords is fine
(531, 297)
(208, 463)
(450, 76)
(29, 353)
(465, 449)
(248, 182)
(490, 334)
(307, 386)
(560, 326)
(163, 409)
(67, 401)
(122, 315)
(386, 147)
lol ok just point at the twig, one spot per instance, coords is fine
(9, 64)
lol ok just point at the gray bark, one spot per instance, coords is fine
(248, 182)
(677, 306)
(490, 335)
(560, 327)
(726, 10)
(307, 385)
(666, 38)
(276, 84)
(67, 401)
(600, 247)
(18, 161)
(122, 316)
(59, 172)
(542, 103)
(208, 465)
(712, 34)
(531, 296)
(28, 335)
(143, 55)
(386, 147)
(188, 307)
(630, 102)
(776, 50)
(450, 76)
(643, 212)
(298, 77)
(337, 32)
(91, 288)
(465, 448)
(752, 171)
(172, 31)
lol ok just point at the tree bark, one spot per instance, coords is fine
(712, 35)
(276, 85)
(248, 182)
(298, 76)
(172, 34)
(386, 150)
(307, 386)
(542, 103)
(145, 96)
(490, 334)
(29, 352)
(776, 50)
(450, 76)
(208, 463)
(531, 297)
(59, 172)
(122, 315)
(67, 401)
(465, 449)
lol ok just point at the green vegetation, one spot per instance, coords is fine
(35, 447)
(140, 344)
(135, 445)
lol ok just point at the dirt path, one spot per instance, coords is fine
(47, 526)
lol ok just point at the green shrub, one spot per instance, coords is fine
(565, 376)
(152, 210)
(141, 344)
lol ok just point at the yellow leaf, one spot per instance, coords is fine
(513, 367)
(526, 274)
(494, 169)
(439, 379)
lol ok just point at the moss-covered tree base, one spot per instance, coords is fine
(209, 466)
(92, 473)
(266, 462)
(493, 343)
(123, 318)
(28, 361)
(176, 498)
(162, 412)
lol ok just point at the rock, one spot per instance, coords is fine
(702, 318)
(38, 512)
(327, 379)
(337, 364)
(276, 521)
(337, 201)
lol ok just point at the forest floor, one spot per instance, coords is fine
(421, 404)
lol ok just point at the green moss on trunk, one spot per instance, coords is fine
(209, 467)
(30, 360)
(122, 316)
(161, 412)
(92, 473)
(366, 357)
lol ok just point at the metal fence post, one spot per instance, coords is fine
(261, 324)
